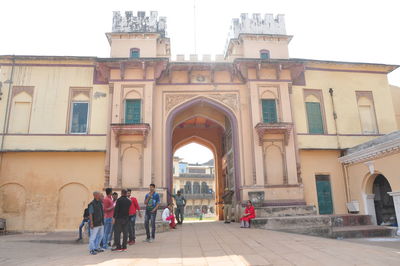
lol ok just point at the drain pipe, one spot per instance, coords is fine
(5, 123)
(344, 167)
(335, 118)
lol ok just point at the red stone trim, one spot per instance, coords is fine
(130, 129)
(274, 128)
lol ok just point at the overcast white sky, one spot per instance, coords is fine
(350, 30)
(194, 153)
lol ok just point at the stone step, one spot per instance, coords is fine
(363, 231)
(322, 225)
(284, 211)
(350, 220)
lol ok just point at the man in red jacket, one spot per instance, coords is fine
(133, 210)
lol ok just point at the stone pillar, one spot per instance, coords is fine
(396, 201)
(370, 207)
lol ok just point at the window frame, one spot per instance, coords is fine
(141, 110)
(368, 95)
(72, 116)
(265, 52)
(134, 50)
(74, 91)
(276, 110)
(319, 95)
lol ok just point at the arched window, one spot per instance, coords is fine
(367, 113)
(264, 54)
(134, 53)
(314, 114)
(204, 188)
(196, 188)
(188, 187)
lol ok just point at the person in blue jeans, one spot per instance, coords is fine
(96, 217)
(84, 221)
(108, 205)
(152, 202)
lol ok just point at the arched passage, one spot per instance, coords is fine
(219, 126)
(384, 206)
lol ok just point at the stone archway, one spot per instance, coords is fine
(384, 206)
(229, 135)
(12, 205)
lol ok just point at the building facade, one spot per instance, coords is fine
(197, 184)
(276, 125)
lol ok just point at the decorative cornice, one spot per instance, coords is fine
(130, 129)
(374, 152)
(275, 128)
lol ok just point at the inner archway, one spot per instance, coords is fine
(194, 176)
(384, 206)
(213, 125)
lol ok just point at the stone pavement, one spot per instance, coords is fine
(205, 243)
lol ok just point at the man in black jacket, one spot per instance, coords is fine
(96, 217)
(121, 221)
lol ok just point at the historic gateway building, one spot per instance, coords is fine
(280, 128)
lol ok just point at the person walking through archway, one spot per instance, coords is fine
(227, 199)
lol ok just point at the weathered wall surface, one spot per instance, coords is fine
(320, 162)
(44, 191)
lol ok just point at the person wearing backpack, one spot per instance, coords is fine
(152, 202)
(84, 221)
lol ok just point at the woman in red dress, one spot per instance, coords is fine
(249, 213)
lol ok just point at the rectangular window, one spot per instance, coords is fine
(269, 111)
(367, 119)
(79, 117)
(135, 53)
(133, 111)
(315, 123)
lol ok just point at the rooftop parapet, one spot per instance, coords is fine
(127, 22)
(257, 25)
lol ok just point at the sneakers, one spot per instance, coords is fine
(116, 249)
(123, 249)
(93, 252)
(99, 250)
(151, 240)
(131, 242)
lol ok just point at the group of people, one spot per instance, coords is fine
(108, 217)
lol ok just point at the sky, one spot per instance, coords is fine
(350, 30)
(194, 153)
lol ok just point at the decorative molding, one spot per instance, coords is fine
(371, 167)
(130, 129)
(18, 89)
(274, 128)
(230, 100)
(374, 152)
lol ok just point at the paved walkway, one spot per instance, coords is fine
(208, 243)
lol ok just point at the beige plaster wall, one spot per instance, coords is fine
(395, 90)
(345, 85)
(323, 162)
(50, 191)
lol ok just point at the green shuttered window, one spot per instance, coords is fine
(269, 111)
(315, 122)
(133, 111)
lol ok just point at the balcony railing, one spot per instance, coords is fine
(199, 196)
(195, 175)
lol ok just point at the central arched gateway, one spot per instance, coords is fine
(218, 128)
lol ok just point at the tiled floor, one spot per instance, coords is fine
(208, 243)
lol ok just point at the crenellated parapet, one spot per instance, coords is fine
(256, 24)
(128, 22)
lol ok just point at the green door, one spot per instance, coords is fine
(324, 193)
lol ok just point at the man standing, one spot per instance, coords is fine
(114, 198)
(108, 205)
(180, 206)
(152, 202)
(133, 210)
(227, 198)
(96, 217)
(121, 221)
